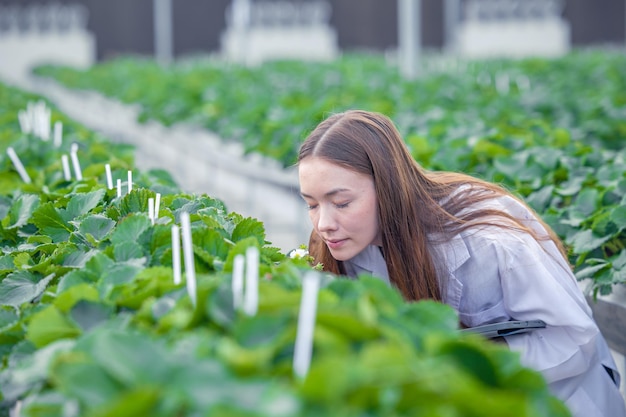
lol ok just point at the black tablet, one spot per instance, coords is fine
(506, 328)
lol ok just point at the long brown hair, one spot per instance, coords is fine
(413, 204)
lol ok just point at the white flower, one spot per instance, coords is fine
(298, 253)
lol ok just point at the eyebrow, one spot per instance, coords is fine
(328, 194)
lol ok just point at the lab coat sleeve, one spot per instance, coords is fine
(537, 284)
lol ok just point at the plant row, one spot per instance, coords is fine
(549, 129)
(92, 323)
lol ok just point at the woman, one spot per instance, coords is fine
(457, 239)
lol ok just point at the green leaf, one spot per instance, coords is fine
(49, 404)
(77, 258)
(49, 325)
(473, 360)
(97, 226)
(587, 201)
(21, 211)
(83, 203)
(585, 241)
(621, 187)
(135, 202)
(86, 382)
(51, 223)
(5, 205)
(30, 370)
(138, 401)
(126, 251)
(10, 327)
(618, 216)
(540, 199)
(571, 187)
(130, 228)
(6, 264)
(129, 357)
(22, 287)
(210, 246)
(89, 314)
(215, 219)
(7, 318)
(619, 261)
(118, 275)
(590, 271)
(96, 267)
(249, 227)
(346, 323)
(261, 330)
(149, 283)
(220, 307)
(67, 299)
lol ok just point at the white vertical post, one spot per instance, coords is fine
(151, 210)
(409, 36)
(163, 31)
(303, 348)
(240, 19)
(157, 206)
(176, 254)
(130, 181)
(251, 295)
(451, 15)
(107, 170)
(67, 174)
(78, 173)
(18, 165)
(58, 133)
(188, 257)
(237, 282)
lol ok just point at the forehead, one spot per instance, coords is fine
(319, 176)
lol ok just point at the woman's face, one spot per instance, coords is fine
(342, 206)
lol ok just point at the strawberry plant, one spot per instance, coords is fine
(92, 323)
(551, 130)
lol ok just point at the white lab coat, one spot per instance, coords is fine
(490, 275)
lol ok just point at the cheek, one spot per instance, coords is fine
(371, 214)
(313, 218)
(370, 211)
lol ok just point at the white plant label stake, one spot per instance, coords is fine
(130, 181)
(306, 324)
(251, 296)
(58, 133)
(237, 284)
(157, 206)
(24, 122)
(77, 171)
(18, 165)
(107, 169)
(176, 253)
(65, 161)
(151, 210)
(188, 257)
(43, 121)
(119, 188)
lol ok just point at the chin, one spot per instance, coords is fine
(343, 254)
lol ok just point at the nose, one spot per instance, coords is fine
(325, 220)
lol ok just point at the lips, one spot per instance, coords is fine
(335, 243)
